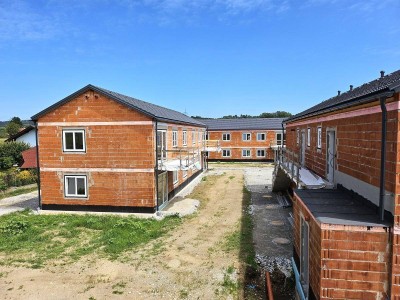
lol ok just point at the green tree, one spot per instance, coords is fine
(11, 153)
(17, 120)
(12, 128)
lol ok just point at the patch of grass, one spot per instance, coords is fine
(183, 294)
(247, 251)
(118, 288)
(34, 239)
(18, 191)
(231, 177)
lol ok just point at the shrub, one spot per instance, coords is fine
(13, 150)
(14, 227)
(25, 177)
(3, 185)
(6, 162)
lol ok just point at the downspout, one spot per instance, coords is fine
(37, 163)
(383, 160)
(156, 167)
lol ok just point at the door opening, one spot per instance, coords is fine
(330, 155)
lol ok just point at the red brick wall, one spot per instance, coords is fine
(236, 144)
(346, 262)
(104, 188)
(112, 147)
(358, 141)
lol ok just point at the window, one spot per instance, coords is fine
(199, 136)
(206, 136)
(304, 255)
(193, 137)
(260, 152)
(226, 136)
(175, 177)
(246, 136)
(308, 137)
(226, 153)
(75, 186)
(184, 138)
(260, 136)
(298, 136)
(174, 138)
(246, 153)
(279, 139)
(74, 140)
(319, 137)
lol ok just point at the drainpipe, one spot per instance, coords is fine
(37, 162)
(156, 168)
(383, 160)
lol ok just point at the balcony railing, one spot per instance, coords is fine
(301, 176)
(179, 159)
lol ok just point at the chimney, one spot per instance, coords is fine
(351, 87)
(338, 93)
(382, 74)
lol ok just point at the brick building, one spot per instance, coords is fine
(245, 139)
(103, 151)
(347, 228)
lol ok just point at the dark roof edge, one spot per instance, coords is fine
(20, 133)
(77, 93)
(353, 102)
(100, 91)
(181, 122)
(242, 129)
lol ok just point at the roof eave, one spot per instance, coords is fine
(353, 102)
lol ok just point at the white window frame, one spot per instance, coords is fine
(199, 135)
(74, 131)
(226, 151)
(76, 186)
(279, 142)
(260, 134)
(174, 138)
(244, 154)
(265, 153)
(319, 137)
(298, 136)
(174, 177)
(226, 136)
(246, 136)
(193, 137)
(308, 137)
(184, 137)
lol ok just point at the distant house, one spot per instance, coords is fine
(29, 158)
(245, 139)
(104, 151)
(26, 135)
(343, 157)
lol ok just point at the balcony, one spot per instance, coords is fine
(212, 146)
(179, 159)
(288, 163)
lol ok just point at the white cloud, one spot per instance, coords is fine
(19, 22)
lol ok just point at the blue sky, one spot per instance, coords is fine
(205, 57)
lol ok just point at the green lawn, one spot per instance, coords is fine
(32, 240)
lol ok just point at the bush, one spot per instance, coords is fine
(6, 162)
(3, 185)
(25, 177)
(12, 150)
(14, 227)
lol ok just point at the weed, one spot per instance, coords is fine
(36, 239)
(17, 192)
(183, 294)
(118, 288)
(231, 177)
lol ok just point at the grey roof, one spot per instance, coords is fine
(243, 123)
(158, 112)
(341, 207)
(358, 95)
(20, 133)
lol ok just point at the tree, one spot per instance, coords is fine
(11, 153)
(278, 114)
(17, 120)
(12, 128)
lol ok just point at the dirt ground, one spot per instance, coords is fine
(190, 263)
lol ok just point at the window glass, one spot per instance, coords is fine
(80, 183)
(71, 185)
(69, 140)
(79, 140)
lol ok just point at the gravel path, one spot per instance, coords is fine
(18, 203)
